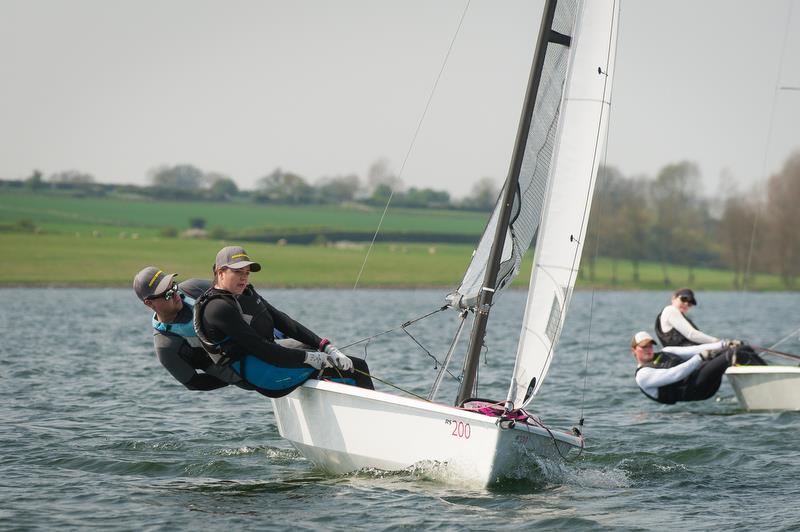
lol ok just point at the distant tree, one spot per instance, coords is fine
(35, 181)
(179, 177)
(380, 174)
(381, 194)
(674, 195)
(426, 197)
(783, 198)
(607, 228)
(636, 220)
(736, 235)
(483, 196)
(72, 177)
(284, 187)
(221, 186)
(338, 189)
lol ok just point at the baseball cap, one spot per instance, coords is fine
(235, 257)
(687, 294)
(641, 336)
(152, 281)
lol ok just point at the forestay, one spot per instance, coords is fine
(584, 114)
(530, 194)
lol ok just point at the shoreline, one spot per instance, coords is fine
(443, 288)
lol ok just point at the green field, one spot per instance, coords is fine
(105, 241)
(112, 216)
(68, 260)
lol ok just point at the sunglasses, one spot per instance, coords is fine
(686, 299)
(173, 291)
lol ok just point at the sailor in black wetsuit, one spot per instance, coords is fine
(236, 326)
(688, 373)
(176, 344)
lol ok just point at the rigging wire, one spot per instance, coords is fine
(770, 130)
(413, 141)
(406, 324)
(790, 335)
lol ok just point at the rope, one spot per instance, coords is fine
(413, 140)
(776, 353)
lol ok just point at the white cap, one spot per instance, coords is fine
(641, 336)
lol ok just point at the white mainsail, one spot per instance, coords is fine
(584, 116)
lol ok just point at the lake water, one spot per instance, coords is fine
(96, 434)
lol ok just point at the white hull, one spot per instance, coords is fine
(342, 428)
(766, 387)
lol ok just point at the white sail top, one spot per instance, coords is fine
(582, 130)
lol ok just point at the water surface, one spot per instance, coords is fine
(96, 434)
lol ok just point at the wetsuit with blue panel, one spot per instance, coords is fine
(239, 331)
(180, 351)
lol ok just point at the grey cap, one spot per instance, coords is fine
(151, 282)
(235, 257)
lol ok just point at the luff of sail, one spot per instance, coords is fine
(584, 114)
(533, 174)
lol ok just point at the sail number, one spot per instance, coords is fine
(460, 429)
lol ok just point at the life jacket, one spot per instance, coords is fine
(194, 355)
(673, 337)
(215, 349)
(266, 378)
(671, 393)
(185, 329)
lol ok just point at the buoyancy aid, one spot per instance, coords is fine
(184, 329)
(671, 393)
(266, 378)
(673, 337)
(194, 355)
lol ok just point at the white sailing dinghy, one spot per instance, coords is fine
(548, 193)
(766, 387)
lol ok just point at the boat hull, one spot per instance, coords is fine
(766, 387)
(343, 428)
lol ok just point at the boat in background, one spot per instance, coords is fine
(766, 387)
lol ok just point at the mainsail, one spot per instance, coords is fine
(584, 115)
(530, 194)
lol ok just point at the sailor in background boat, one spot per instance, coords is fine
(688, 373)
(176, 344)
(236, 327)
(674, 328)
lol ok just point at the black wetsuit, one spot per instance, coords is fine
(241, 329)
(703, 381)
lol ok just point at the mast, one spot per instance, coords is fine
(468, 385)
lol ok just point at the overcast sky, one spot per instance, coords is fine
(325, 88)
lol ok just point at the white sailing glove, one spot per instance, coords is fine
(317, 360)
(709, 354)
(338, 359)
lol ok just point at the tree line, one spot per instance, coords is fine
(187, 182)
(666, 220)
